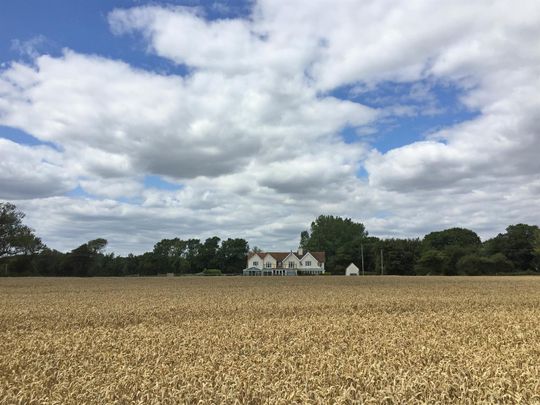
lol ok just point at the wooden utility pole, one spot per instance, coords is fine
(382, 263)
(362, 253)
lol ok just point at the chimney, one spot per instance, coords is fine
(300, 251)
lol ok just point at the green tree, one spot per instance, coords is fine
(475, 264)
(451, 245)
(501, 264)
(399, 255)
(339, 238)
(171, 255)
(431, 262)
(472, 265)
(148, 264)
(208, 253)
(193, 248)
(232, 255)
(84, 261)
(49, 262)
(520, 244)
(16, 238)
(455, 237)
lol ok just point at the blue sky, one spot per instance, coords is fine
(82, 26)
(49, 27)
(249, 119)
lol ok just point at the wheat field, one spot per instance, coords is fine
(270, 340)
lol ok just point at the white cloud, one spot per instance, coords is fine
(30, 172)
(253, 134)
(112, 187)
(30, 47)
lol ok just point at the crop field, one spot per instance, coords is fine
(270, 340)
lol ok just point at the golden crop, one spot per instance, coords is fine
(270, 340)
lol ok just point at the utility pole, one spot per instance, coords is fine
(362, 253)
(382, 263)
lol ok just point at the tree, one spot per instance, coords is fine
(96, 246)
(16, 238)
(232, 255)
(193, 248)
(431, 262)
(451, 245)
(456, 237)
(520, 244)
(400, 255)
(170, 253)
(208, 253)
(84, 260)
(474, 264)
(339, 238)
(304, 240)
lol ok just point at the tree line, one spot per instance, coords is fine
(454, 251)
(23, 254)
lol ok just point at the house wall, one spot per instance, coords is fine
(351, 270)
(270, 259)
(309, 258)
(255, 259)
(285, 263)
(291, 258)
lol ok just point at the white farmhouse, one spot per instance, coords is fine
(284, 263)
(352, 270)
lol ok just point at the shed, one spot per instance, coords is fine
(351, 270)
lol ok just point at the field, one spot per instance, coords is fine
(270, 340)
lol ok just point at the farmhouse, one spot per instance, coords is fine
(284, 263)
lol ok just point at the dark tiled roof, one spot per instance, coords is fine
(320, 256)
(280, 256)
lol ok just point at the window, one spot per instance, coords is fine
(255, 263)
(292, 265)
(268, 265)
(307, 263)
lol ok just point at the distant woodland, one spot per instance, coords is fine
(454, 251)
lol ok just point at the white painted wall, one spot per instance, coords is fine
(309, 258)
(352, 270)
(291, 258)
(270, 259)
(255, 259)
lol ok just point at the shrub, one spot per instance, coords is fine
(212, 272)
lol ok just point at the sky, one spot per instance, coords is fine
(137, 121)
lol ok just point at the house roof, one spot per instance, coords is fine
(280, 256)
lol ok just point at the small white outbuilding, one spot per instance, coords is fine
(351, 270)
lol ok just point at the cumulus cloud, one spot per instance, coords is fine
(31, 172)
(118, 120)
(253, 132)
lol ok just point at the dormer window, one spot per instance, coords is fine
(292, 265)
(268, 265)
(307, 263)
(255, 263)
